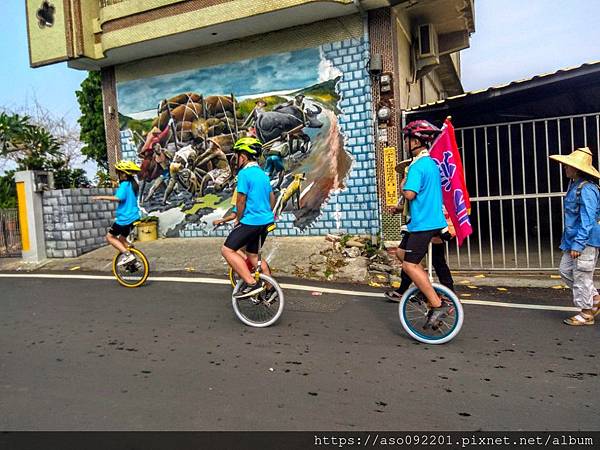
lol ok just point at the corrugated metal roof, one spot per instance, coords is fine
(546, 77)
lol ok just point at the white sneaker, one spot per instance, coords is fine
(126, 259)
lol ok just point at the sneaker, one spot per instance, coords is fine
(435, 315)
(126, 259)
(134, 266)
(249, 290)
(393, 296)
(269, 295)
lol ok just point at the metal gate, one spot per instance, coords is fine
(10, 235)
(517, 192)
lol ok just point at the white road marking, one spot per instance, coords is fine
(295, 287)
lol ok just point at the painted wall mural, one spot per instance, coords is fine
(183, 127)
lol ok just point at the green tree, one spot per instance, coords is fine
(91, 121)
(33, 147)
(65, 177)
(8, 191)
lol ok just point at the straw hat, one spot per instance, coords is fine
(580, 159)
(402, 165)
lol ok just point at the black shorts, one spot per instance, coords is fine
(248, 236)
(120, 230)
(416, 245)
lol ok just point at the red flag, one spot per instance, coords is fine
(454, 189)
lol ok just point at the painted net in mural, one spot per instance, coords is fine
(185, 145)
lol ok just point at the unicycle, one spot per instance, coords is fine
(134, 273)
(262, 309)
(418, 319)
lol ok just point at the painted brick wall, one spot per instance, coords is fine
(73, 224)
(128, 149)
(355, 209)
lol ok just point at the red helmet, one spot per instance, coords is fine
(422, 130)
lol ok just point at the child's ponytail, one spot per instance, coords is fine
(134, 184)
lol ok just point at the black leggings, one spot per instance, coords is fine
(440, 266)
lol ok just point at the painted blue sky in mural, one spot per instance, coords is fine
(278, 72)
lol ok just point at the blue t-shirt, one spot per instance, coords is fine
(426, 209)
(127, 211)
(254, 183)
(581, 217)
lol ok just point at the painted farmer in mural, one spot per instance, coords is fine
(259, 107)
(162, 158)
(295, 120)
(221, 173)
(181, 171)
(150, 170)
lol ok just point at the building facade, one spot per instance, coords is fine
(321, 83)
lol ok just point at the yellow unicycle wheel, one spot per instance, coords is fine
(133, 273)
(233, 277)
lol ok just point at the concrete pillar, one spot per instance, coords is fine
(111, 118)
(30, 185)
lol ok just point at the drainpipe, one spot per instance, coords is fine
(367, 56)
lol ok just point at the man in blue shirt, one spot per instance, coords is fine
(422, 188)
(254, 204)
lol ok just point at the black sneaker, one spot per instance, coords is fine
(269, 295)
(393, 296)
(248, 290)
(435, 315)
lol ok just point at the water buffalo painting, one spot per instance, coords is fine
(185, 123)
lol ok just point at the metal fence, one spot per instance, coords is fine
(10, 235)
(517, 192)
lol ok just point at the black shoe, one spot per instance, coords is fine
(393, 296)
(248, 290)
(269, 295)
(435, 315)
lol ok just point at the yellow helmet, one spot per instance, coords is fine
(250, 145)
(128, 167)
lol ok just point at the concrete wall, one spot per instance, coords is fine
(48, 43)
(73, 224)
(427, 89)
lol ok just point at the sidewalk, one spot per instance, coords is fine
(300, 257)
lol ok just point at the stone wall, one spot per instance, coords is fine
(73, 223)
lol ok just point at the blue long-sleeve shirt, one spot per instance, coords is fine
(581, 220)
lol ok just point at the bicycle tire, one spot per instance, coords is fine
(138, 281)
(409, 323)
(243, 307)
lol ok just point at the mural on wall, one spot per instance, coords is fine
(184, 126)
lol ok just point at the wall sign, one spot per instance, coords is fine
(389, 171)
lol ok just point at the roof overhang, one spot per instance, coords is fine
(564, 92)
(117, 50)
(454, 22)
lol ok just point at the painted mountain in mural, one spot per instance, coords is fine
(324, 92)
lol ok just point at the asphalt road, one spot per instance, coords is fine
(90, 355)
